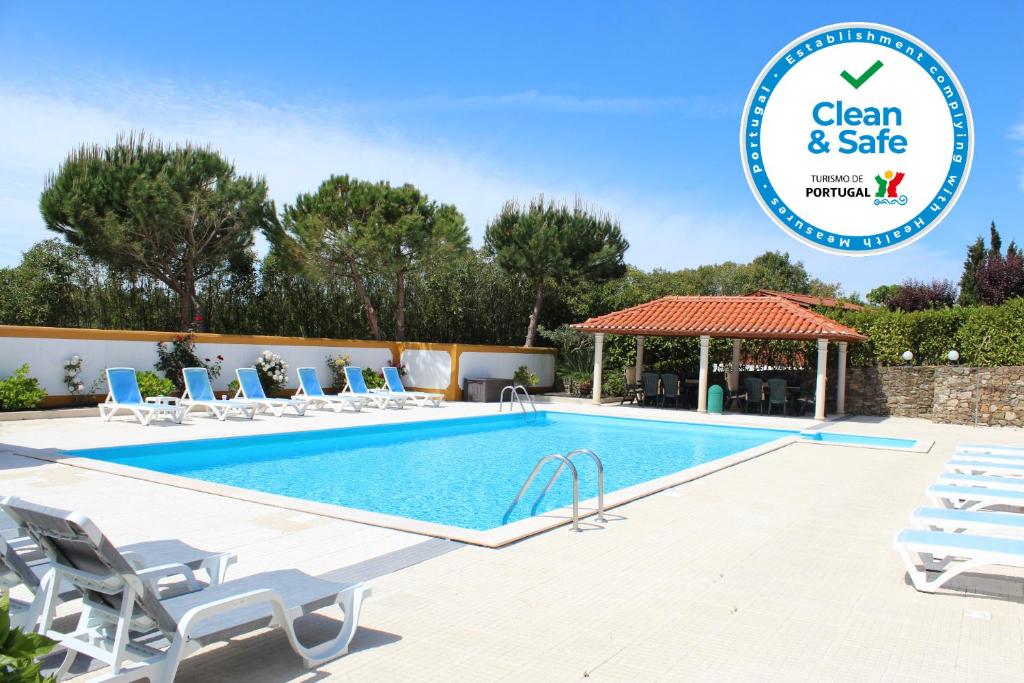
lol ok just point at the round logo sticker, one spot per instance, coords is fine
(857, 139)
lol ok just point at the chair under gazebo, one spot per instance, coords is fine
(729, 317)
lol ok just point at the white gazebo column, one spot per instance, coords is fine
(598, 362)
(841, 381)
(734, 373)
(819, 389)
(702, 385)
(639, 358)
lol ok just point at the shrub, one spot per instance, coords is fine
(272, 369)
(523, 376)
(152, 384)
(182, 354)
(373, 379)
(233, 387)
(984, 335)
(20, 392)
(336, 366)
(19, 651)
(613, 383)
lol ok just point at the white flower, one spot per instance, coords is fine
(81, 386)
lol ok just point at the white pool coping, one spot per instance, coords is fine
(492, 538)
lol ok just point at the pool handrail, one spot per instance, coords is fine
(600, 478)
(514, 398)
(575, 485)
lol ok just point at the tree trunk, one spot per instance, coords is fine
(371, 313)
(531, 332)
(400, 304)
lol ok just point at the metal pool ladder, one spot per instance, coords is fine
(566, 460)
(514, 397)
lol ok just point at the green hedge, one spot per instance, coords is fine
(984, 335)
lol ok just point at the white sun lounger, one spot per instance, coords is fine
(953, 554)
(973, 498)
(251, 389)
(988, 449)
(310, 390)
(990, 457)
(991, 467)
(122, 613)
(123, 395)
(355, 384)
(199, 395)
(393, 380)
(25, 564)
(947, 519)
(982, 481)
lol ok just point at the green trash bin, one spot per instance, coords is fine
(715, 399)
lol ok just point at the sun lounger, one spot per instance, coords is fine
(393, 380)
(991, 467)
(25, 564)
(311, 391)
(355, 384)
(989, 449)
(122, 613)
(990, 457)
(982, 481)
(947, 519)
(199, 395)
(973, 498)
(251, 389)
(123, 395)
(953, 554)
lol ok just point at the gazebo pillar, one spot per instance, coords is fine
(598, 364)
(639, 358)
(734, 373)
(819, 389)
(702, 385)
(841, 381)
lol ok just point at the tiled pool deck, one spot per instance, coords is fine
(778, 568)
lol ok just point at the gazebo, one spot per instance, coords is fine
(730, 317)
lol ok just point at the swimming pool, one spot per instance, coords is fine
(461, 472)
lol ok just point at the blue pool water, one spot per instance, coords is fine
(460, 472)
(859, 440)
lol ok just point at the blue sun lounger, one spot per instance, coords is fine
(311, 391)
(123, 395)
(251, 389)
(355, 384)
(393, 380)
(199, 395)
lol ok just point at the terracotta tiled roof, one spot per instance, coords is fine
(809, 299)
(745, 317)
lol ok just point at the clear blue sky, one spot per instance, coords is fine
(633, 106)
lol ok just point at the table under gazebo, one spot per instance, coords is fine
(731, 317)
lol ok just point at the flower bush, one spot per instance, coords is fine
(73, 375)
(403, 369)
(272, 369)
(181, 353)
(336, 366)
(20, 392)
(152, 384)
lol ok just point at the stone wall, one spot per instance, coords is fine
(939, 393)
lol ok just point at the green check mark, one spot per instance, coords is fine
(862, 79)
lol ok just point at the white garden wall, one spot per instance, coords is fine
(437, 367)
(479, 364)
